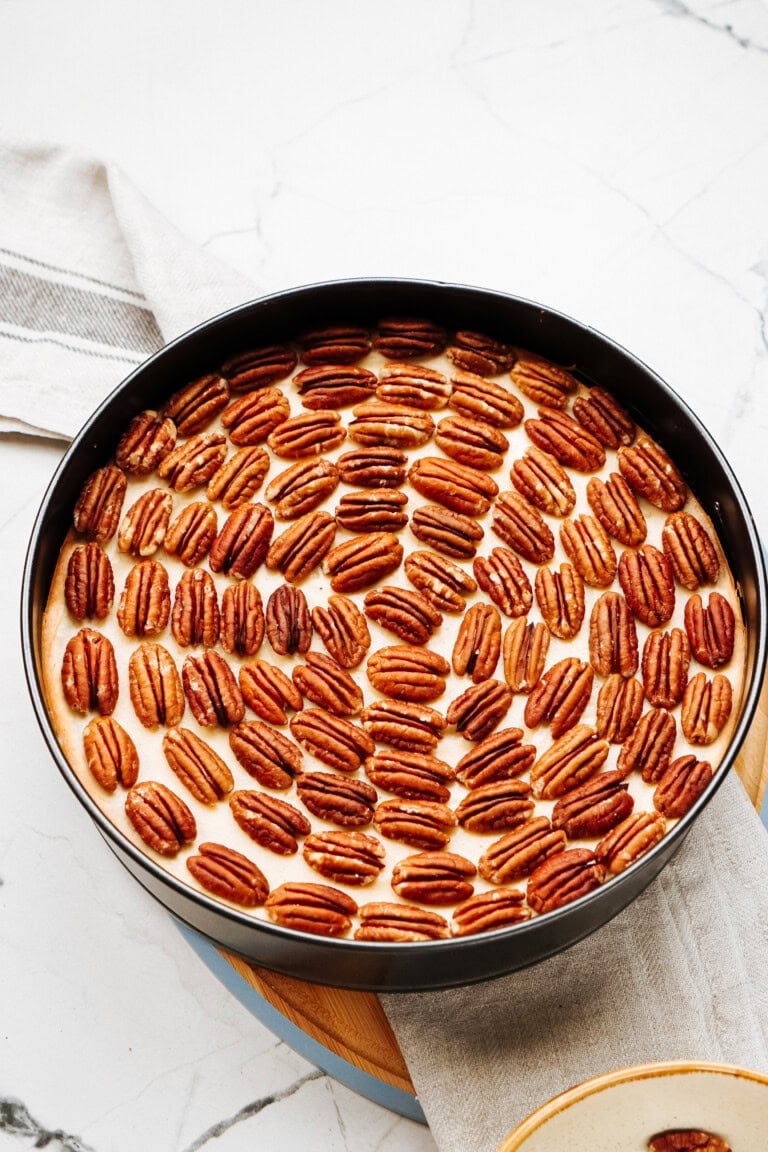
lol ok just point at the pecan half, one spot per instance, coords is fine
(145, 442)
(345, 857)
(521, 851)
(239, 478)
(648, 748)
(522, 527)
(268, 692)
(560, 696)
(612, 636)
(212, 690)
(382, 510)
(314, 908)
(343, 629)
(197, 405)
(645, 576)
(681, 785)
(572, 759)
(524, 651)
(258, 367)
(251, 418)
(327, 684)
(593, 808)
(307, 434)
(405, 672)
(543, 482)
(666, 656)
(378, 423)
(288, 622)
(98, 507)
(145, 602)
(271, 822)
(711, 630)
(110, 754)
(228, 875)
(448, 532)
(687, 1140)
(543, 382)
(408, 614)
(411, 775)
(337, 344)
(413, 386)
(476, 352)
(242, 543)
(161, 818)
(89, 673)
(563, 878)
(502, 578)
(568, 441)
(302, 547)
(192, 533)
(145, 523)
(500, 756)
(195, 618)
(335, 741)
(473, 443)
(155, 686)
(603, 416)
(690, 550)
(361, 562)
(589, 549)
(480, 709)
(424, 824)
(649, 471)
(615, 506)
(496, 807)
(411, 727)
(201, 770)
(338, 799)
(489, 911)
(399, 923)
(401, 336)
(560, 597)
(268, 756)
(619, 704)
(192, 463)
(461, 489)
(434, 878)
(485, 400)
(478, 643)
(242, 619)
(706, 707)
(630, 840)
(334, 385)
(89, 585)
(444, 584)
(373, 468)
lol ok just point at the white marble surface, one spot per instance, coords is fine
(607, 158)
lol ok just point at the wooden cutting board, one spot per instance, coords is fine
(352, 1025)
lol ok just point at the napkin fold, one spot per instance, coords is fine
(92, 279)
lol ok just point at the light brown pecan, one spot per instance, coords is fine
(335, 741)
(649, 471)
(199, 768)
(251, 418)
(499, 757)
(424, 824)
(334, 385)
(687, 1140)
(271, 822)
(502, 578)
(615, 506)
(145, 523)
(197, 404)
(589, 549)
(666, 656)
(619, 704)
(192, 533)
(435, 878)
(268, 692)
(408, 614)
(335, 344)
(155, 686)
(406, 672)
(706, 707)
(563, 878)
(373, 468)
(161, 818)
(612, 636)
(239, 478)
(313, 908)
(521, 851)
(343, 629)
(560, 597)
(444, 584)
(228, 875)
(362, 561)
(681, 785)
(572, 759)
(648, 748)
(406, 338)
(300, 488)
(480, 709)
(470, 442)
(242, 619)
(560, 696)
(98, 507)
(496, 807)
(345, 857)
(193, 462)
(196, 617)
(478, 643)
(338, 799)
(456, 487)
(485, 400)
(382, 510)
(593, 808)
(414, 386)
(603, 416)
(301, 548)
(402, 724)
(379, 423)
(110, 754)
(543, 382)
(308, 434)
(146, 441)
(524, 650)
(411, 775)
(711, 630)
(388, 923)
(448, 532)
(267, 755)
(690, 550)
(645, 576)
(522, 527)
(543, 482)
(288, 622)
(89, 585)
(476, 352)
(212, 690)
(145, 602)
(243, 541)
(564, 438)
(328, 685)
(489, 911)
(258, 367)
(630, 840)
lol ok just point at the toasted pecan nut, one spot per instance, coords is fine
(239, 478)
(242, 543)
(408, 614)
(522, 527)
(197, 404)
(378, 423)
(301, 548)
(646, 579)
(612, 636)
(414, 386)
(300, 488)
(480, 709)
(307, 434)
(228, 875)
(411, 775)
(343, 629)
(258, 367)
(193, 462)
(496, 807)
(499, 757)
(345, 857)
(408, 672)
(706, 707)
(199, 768)
(681, 785)
(489, 911)
(666, 657)
(560, 597)
(381, 510)
(339, 799)
(711, 630)
(424, 824)
(630, 840)
(563, 878)
(98, 507)
(271, 822)
(473, 443)
(541, 381)
(313, 908)
(687, 1140)
(192, 533)
(145, 602)
(521, 851)
(411, 727)
(648, 748)
(268, 692)
(334, 385)
(212, 690)
(161, 818)
(568, 441)
(362, 561)
(110, 754)
(89, 585)
(455, 486)
(336, 741)
(603, 416)
(388, 923)
(476, 352)
(502, 577)
(448, 532)
(404, 338)
(524, 650)
(196, 618)
(145, 524)
(589, 549)
(615, 506)
(478, 643)
(690, 551)
(543, 482)
(485, 400)
(155, 686)
(434, 878)
(649, 471)
(619, 704)
(444, 583)
(568, 762)
(242, 619)
(287, 621)
(335, 344)
(327, 684)
(373, 467)
(89, 673)
(560, 696)
(145, 442)
(268, 756)
(593, 808)
(251, 418)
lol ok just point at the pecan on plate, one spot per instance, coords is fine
(542, 481)
(323, 681)
(425, 824)
(690, 550)
(145, 524)
(345, 857)
(192, 533)
(258, 367)
(302, 547)
(564, 438)
(334, 385)
(301, 487)
(612, 636)
(336, 741)
(335, 344)
(478, 643)
(711, 630)
(268, 692)
(574, 758)
(497, 807)
(408, 614)
(407, 672)
(373, 468)
(455, 486)
(502, 577)
(563, 878)
(588, 547)
(543, 382)
(687, 1140)
(489, 911)
(199, 768)
(476, 352)
(448, 532)
(196, 405)
(145, 602)
(338, 799)
(155, 686)
(343, 629)
(287, 621)
(524, 651)
(444, 583)
(89, 673)
(648, 748)
(271, 822)
(681, 785)
(480, 709)
(228, 875)
(268, 756)
(389, 923)
(212, 690)
(411, 775)
(414, 386)
(560, 696)
(145, 442)
(314, 908)
(500, 756)
(98, 507)
(307, 434)
(619, 704)
(242, 619)
(560, 597)
(666, 657)
(434, 878)
(706, 707)
(523, 528)
(603, 416)
(193, 462)
(650, 472)
(403, 337)
(520, 852)
(615, 506)
(251, 418)
(630, 840)
(239, 478)
(378, 423)
(161, 818)
(593, 808)
(645, 576)
(362, 561)
(473, 443)
(411, 727)
(380, 510)
(89, 585)
(484, 400)
(110, 754)
(196, 618)
(242, 543)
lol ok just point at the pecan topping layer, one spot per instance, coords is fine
(399, 923)
(98, 507)
(145, 602)
(405, 337)
(242, 619)
(145, 524)
(335, 344)
(615, 506)
(563, 878)
(479, 353)
(520, 852)
(407, 672)
(523, 528)
(446, 531)
(146, 441)
(423, 824)
(201, 770)
(378, 423)
(444, 583)
(711, 630)
(571, 760)
(336, 741)
(590, 551)
(192, 463)
(496, 807)
(560, 696)
(484, 400)
(110, 754)
(543, 482)
(619, 704)
(197, 405)
(313, 908)
(228, 875)
(382, 510)
(212, 690)
(328, 685)
(603, 416)
(345, 857)
(648, 749)
(613, 636)
(358, 563)
(666, 657)
(241, 545)
(301, 548)
(470, 442)
(334, 386)
(251, 418)
(630, 840)
(543, 382)
(645, 576)
(568, 441)
(408, 614)
(480, 709)
(268, 692)
(498, 757)
(502, 577)
(239, 478)
(478, 643)
(307, 435)
(89, 673)
(343, 629)
(339, 799)
(268, 756)
(258, 367)
(411, 775)
(413, 386)
(89, 586)
(649, 471)
(300, 488)
(455, 486)
(435, 878)
(196, 617)
(690, 550)
(560, 597)
(273, 823)
(488, 911)
(161, 818)
(155, 686)
(681, 785)
(192, 533)
(706, 707)
(593, 808)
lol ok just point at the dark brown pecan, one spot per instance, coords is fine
(308, 434)
(243, 542)
(408, 614)
(334, 385)
(648, 748)
(268, 692)
(500, 756)
(228, 875)
(271, 822)
(239, 479)
(706, 707)
(615, 506)
(145, 602)
(89, 585)
(402, 724)
(161, 818)
(192, 533)
(649, 471)
(603, 416)
(267, 755)
(485, 400)
(645, 576)
(337, 344)
(411, 775)
(242, 619)
(524, 650)
(589, 549)
(630, 840)
(335, 741)
(405, 672)
(155, 686)
(338, 799)
(480, 709)
(196, 618)
(378, 423)
(619, 704)
(448, 532)
(563, 878)
(402, 337)
(382, 510)
(250, 419)
(520, 852)
(414, 386)
(666, 656)
(560, 597)
(212, 690)
(522, 527)
(300, 488)
(502, 578)
(301, 548)
(543, 482)
(574, 758)
(476, 352)
(288, 622)
(313, 908)
(327, 684)
(197, 405)
(388, 923)
(110, 754)
(145, 523)
(478, 643)
(373, 468)
(434, 878)
(564, 438)
(198, 767)
(711, 630)
(687, 1140)
(146, 441)
(192, 463)
(98, 507)
(489, 911)
(362, 561)
(444, 584)
(681, 785)
(690, 550)
(496, 807)
(345, 857)
(424, 824)
(343, 629)
(473, 443)
(461, 489)
(543, 382)
(612, 636)
(258, 367)
(560, 696)
(593, 808)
